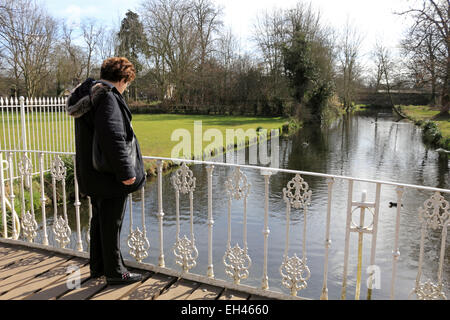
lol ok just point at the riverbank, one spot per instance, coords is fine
(154, 132)
(436, 127)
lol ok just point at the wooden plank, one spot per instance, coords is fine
(180, 290)
(115, 292)
(35, 275)
(205, 292)
(43, 280)
(59, 287)
(13, 256)
(4, 249)
(151, 288)
(86, 290)
(33, 269)
(20, 265)
(228, 294)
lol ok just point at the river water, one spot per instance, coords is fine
(368, 145)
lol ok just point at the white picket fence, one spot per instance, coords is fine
(35, 124)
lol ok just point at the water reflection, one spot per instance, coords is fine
(373, 146)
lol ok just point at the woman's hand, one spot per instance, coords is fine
(129, 181)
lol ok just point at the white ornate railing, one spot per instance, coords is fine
(295, 273)
(32, 124)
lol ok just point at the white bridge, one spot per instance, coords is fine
(18, 171)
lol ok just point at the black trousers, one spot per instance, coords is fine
(106, 224)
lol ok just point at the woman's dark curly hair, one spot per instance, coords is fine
(117, 68)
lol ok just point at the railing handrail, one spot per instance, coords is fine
(316, 174)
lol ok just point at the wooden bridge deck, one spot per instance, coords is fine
(36, 274)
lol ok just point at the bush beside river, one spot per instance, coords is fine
(436, 127)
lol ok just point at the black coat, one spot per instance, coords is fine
(109, 114)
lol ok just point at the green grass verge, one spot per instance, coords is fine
(154, 131)
(437, 126)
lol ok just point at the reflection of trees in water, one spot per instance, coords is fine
(443, 170)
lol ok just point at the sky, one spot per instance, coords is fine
(374, 19)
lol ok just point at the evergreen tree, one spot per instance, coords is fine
(132, 44)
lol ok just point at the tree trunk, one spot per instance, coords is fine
(445, 100)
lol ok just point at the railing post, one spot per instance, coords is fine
(24, 136)
(22, 119)
(374, 238)
(347, 238)
(77, 205)
(360, 246)
(396, 251)
(266, 231)
(324, 295)
(43, 199)
(3, 195)
(209, 170)
(12, 196)
(160, 215)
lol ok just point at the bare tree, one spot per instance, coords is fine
(107, 43)
(385, 65)
(270, 34)
(349, 69)
(172, 36)
(422, 49)
(434, 15)
(207, 21)
(27, 33)
(92, 33)
(226, 56)
(74, 54)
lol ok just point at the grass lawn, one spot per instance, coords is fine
(154, 131)
(425, 113)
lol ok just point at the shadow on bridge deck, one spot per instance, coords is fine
(36, 274)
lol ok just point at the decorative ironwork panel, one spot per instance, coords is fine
(237, 263)
(297, 193)
(138, 244)
(434, 214)
(186, 253)
(429, 291)
(25, 166)
(62, 231)
(183, 179)
(295, 273)
(436, 211)
(237, 186)
(58, 169)
(29, 226)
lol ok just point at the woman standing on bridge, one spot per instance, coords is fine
(103, 128)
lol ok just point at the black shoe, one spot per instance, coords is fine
(127, 277)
